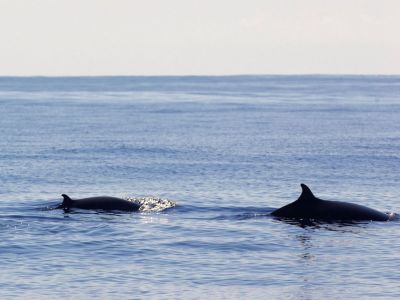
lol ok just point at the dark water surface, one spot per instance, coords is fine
(228, 150)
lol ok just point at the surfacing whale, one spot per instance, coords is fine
(310, 207)
(102, 202)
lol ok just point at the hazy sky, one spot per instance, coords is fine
(178, 37)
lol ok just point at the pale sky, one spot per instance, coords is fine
(205, 37)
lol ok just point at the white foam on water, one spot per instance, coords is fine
(152, 203)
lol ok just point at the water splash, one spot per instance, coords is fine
(152, 204)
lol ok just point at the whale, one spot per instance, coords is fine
(307, 206)
(100, 203)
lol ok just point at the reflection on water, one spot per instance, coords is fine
(306, 262)
(306, 245)
(341, 226)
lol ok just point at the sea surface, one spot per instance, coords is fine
(227, 150)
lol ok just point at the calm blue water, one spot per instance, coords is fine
(228, 150)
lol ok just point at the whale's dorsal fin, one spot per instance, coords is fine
(306, 194)
(67, 200)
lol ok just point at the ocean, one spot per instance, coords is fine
(227, 150)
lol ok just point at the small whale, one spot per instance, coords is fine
(310, 207)
(102, 202)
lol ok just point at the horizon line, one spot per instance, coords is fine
(207, 75)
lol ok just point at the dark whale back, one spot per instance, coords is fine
(310, 207)
(102, 202)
